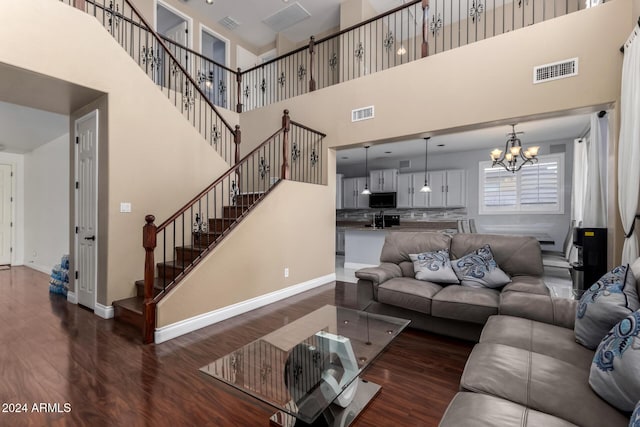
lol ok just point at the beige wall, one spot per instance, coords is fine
(154, 158)
(290, 228)
(472, 86)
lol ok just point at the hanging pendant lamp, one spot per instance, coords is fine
(366, 191)
(425, 188)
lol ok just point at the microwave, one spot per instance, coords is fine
(382, 200)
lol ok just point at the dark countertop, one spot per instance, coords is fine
(404, 226)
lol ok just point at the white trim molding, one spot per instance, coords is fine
(177, 329)
(72, 297)
(104, 311)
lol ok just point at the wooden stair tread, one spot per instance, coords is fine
(174, 264)
(133, 304)
(158, 283)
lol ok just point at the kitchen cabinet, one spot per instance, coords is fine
(352, 197)
(383, 180)
(448, 189)
(408, 191)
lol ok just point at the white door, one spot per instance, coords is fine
(87, 208)
(179, 34)
(5, 214)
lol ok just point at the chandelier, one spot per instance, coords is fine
(514, 157)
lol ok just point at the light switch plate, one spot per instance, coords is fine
(125, 207)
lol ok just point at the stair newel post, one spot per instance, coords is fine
(312, 58)
(149, 233)
(286, 124)
(237, 139)
(239, 90)
(425, 26)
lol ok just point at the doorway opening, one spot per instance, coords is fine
(215, 78)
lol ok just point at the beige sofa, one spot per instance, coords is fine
(456, 310)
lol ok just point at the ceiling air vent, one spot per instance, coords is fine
(404, 164)
(287, 17)
(229, 22)
(359, 114)
(555, 71)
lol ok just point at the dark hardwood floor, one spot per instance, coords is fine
(55, 352)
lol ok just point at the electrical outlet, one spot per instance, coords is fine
(286, 272)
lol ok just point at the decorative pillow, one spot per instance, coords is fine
(604, 304)
(434, 267)
(615, 371)
(635, 417)
(479, 270)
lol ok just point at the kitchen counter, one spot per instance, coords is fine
(363, 245)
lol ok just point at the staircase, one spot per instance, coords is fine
(203, 239)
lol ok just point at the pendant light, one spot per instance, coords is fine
(366, 191)
(425, 188)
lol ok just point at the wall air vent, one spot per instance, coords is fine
(365, 113)
(555, 71)
(287, 17)
(404, 164)
(229, 23)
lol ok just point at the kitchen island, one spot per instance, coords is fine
(363, 245)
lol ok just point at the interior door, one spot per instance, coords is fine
(87, 208)
(5, 214)
(178, 34)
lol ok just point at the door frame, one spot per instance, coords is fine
(94, 113)
(12, 204)
(175, 11)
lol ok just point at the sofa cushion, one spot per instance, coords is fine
(527, 284)
(516, 255)
(483, 410)
(434, 267)
(398, 245)
(615, 372)
(604, 304)
(379, 274)
(540, 382)
(478, 269)
(408, 293)
(463, 303)
(538, 337)
(542, 308)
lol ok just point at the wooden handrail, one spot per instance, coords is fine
(150, 29)
(216, 182)
(308, 128)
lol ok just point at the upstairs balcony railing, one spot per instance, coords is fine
(129, 28)
(414, 30)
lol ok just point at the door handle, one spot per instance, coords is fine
(90, 238)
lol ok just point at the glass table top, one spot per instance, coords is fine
(304, 366)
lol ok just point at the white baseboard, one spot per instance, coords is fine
(72, 297)
(104, 311)
(41, 268)
(174, 330)
(357, 266)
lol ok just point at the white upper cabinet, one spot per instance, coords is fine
(383, 180)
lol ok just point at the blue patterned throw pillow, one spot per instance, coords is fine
(635, 417)
(479, 270)
(615, 370)
(434, 267)
(604, 304)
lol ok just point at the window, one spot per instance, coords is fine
(536, 188)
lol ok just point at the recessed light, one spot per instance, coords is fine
(387, 152)
(209, 1)
(344, 158)
(440, 145)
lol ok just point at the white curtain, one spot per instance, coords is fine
(579, 190)
(629, 144)
(595, 202)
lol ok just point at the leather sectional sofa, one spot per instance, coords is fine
(527, 368)
(455, 310)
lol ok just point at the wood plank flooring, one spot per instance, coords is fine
(55, 352)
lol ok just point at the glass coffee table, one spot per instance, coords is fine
(310, 369)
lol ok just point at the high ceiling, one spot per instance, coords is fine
(325, 15)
